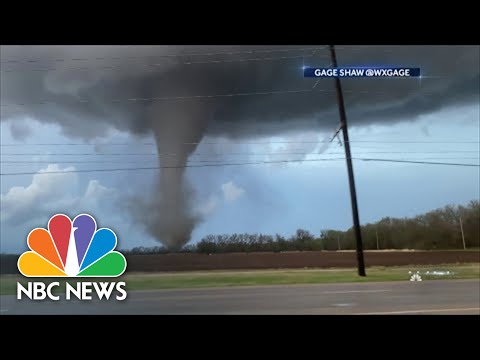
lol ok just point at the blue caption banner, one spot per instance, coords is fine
(361, 72)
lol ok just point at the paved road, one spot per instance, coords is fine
(427, 297)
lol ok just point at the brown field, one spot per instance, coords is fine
(286, 260)
(291, 260)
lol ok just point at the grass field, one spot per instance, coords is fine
(149, 281)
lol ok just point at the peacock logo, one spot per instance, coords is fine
(72, 249)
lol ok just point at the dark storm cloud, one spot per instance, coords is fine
(20, 130)
(451, 76)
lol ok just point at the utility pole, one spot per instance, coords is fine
(351, 180)
(376, 234)
(463, 235)
(338, 242)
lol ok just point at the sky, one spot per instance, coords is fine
(270, 197)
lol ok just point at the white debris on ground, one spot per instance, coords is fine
(416, 276)
(440, 273)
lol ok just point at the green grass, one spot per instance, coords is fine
(143, 281)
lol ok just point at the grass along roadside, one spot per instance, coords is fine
(150, 281)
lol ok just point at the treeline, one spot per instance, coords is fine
(435, 230)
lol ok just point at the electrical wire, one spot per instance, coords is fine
(166, 98)
(33, 162)
(236, 154)
(231, 164)
(157, 65)
(248, 143)
(249, 52)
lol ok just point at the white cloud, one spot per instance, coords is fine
(231, 192)
(26, 207)
(45, 190)
(96, 192)
(209, 206)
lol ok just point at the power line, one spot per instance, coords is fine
(186, 55)
(235, 154)
(45, 102)
(249, 52)
(244, 143)
(361, 47)
(196, 97)
(156, 65)
(420, 162)
(355, 147)
(33, 162)
(232, 164)
(417, 152)
(163, 167)
(417, 142)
